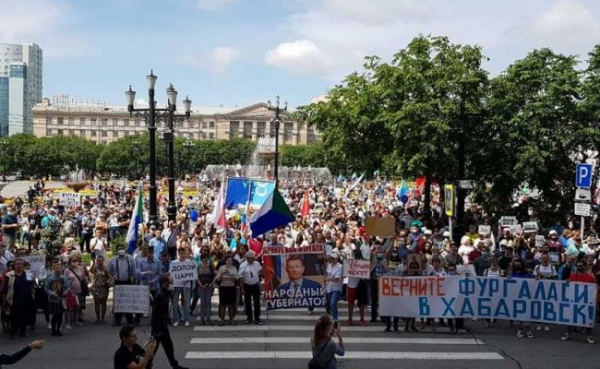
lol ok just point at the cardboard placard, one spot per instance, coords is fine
(357, 269)
(539, 241)
(508, 221)
(384, 227)
(131, 299)
(530, 227)
(485, 229)
(183, 271)
(516, 229)
(37, 264)
(69, 199)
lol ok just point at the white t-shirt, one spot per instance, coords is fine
(545, 272)
(250, 272)
(464, 251)
(353, 282)
(334, 271)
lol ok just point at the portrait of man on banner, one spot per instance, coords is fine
(294, 280)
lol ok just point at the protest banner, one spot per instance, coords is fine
(544, 301)
(515, 229)
(37, 265)
(131, 299)
(183, 271)
(357, 269)
(530, 227)
(540, 241)
(294, 277)
(384, 227)
(508, 221)
(466, 270)
(485, 229)
(69, 199)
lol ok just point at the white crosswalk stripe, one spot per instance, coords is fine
(284, 341)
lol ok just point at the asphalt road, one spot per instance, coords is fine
(284, 342)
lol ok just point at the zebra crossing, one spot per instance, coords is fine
(283, 341)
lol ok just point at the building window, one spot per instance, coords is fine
(203, 135)
(211, 124)
(288, 131)
(138, 123)
(93, 133)
(115, 122)
(48, 120)
(203, 124)
(104, 122)
(82, 121)
(60, 132)
(126, 122)
(115, 134)
(261, 127)
(272, 128)
(93, 121)
(83, 133)
(104, 134)
(234, 128)
(211, 135)
(248, 130)
(61, 121)
(71, 121)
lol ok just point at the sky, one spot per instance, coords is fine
(239, 52)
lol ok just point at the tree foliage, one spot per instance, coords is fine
(303, 155)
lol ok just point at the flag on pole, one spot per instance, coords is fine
(357, 182)
(137, 218)
(217, 217)
(272, 214)
(305, 205)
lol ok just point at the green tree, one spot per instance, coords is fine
(303, 155)
(535, 136)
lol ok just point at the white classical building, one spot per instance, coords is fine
(101, 123)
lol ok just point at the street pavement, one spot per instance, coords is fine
(284, 342)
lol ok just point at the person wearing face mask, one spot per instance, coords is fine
(482, 262)
(583, 275)
(123, 270)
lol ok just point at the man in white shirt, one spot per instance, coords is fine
(250, 272)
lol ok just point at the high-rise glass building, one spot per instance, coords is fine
(20, 86)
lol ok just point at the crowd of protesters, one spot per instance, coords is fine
(229, 259)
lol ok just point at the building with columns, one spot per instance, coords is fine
(101, 123)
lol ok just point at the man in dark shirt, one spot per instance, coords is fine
(10, 225)
(131, 355)
(160, 321)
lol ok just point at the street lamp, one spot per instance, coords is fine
(151, 115)
(277, 122)
(189, 145)
(170, 142)
(136, 155)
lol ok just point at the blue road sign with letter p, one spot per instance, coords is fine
(583, 178)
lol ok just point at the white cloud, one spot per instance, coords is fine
(213, 5)
(376, 12)
(44, 22)
(221, 58)
(301, 56)
(567, 21)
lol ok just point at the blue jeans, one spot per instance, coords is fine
(332, 300)
(186, 292)
(205, 305)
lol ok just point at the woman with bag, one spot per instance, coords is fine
(324, 348)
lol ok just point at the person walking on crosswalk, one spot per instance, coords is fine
(160, 322)
(324, 348)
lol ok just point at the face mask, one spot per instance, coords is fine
(485, 255)
(379, 256)
(121, 253)
(395, 254)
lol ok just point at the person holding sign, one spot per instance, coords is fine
(358, 291)
(227, 277)
(182, 288)
(123, 270)
(250, 273)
